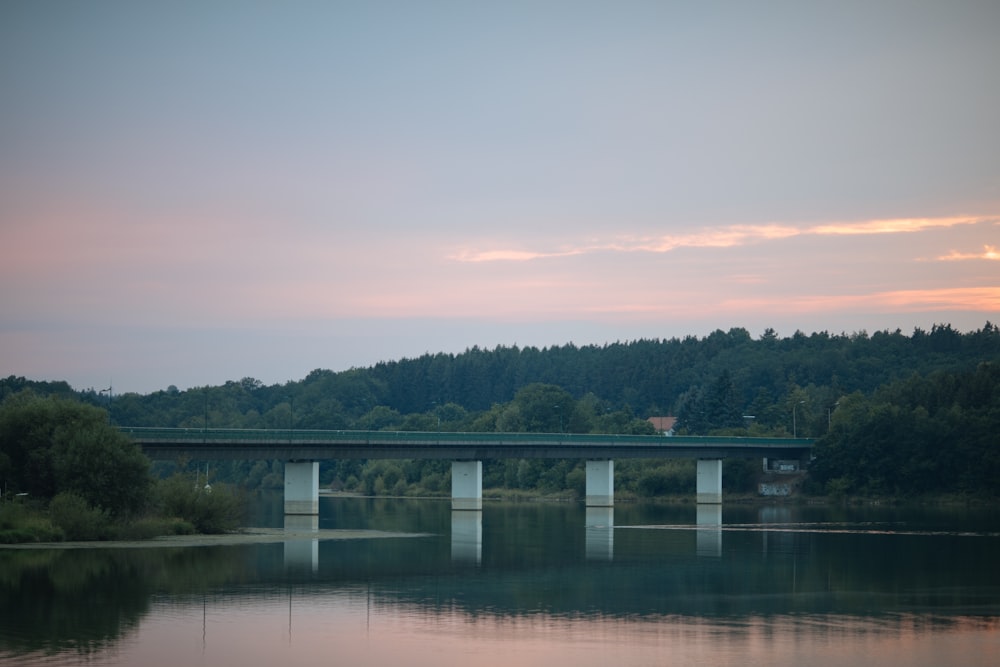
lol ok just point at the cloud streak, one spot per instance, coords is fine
(989, 252)
(982, 299)
(732, 236)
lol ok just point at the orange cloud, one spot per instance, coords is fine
(989, 252)
(985, 299)
(892, 226)
(729, 236)
(508, 255)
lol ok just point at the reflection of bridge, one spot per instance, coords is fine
(302, 449)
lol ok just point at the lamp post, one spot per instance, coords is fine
(109, 399)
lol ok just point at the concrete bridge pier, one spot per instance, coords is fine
(467, 485)
(600, 484)
(709, 481)
(302, 487)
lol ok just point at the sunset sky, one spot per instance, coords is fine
(194, 192)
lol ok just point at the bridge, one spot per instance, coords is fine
(301, 450)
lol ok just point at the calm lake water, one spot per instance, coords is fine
(528, 584)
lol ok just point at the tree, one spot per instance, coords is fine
(51, 445)
(545, 408)
(104, 467)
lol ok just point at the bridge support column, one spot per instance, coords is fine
(302, 487)
(600, 483)
(709, 484)
(467, 485)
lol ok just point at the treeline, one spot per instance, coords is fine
(711, 382)
(923, 435)
(725, 383)
(68, 474)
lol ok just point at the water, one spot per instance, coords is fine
(528, 584)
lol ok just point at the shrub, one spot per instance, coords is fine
(210, 510)
(77, 519)
(151, 527)
(20, 524)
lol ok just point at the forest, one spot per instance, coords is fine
(893, 413)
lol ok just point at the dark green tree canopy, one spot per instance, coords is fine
(53, 445)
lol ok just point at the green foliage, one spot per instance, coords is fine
(77, 518)
(724, 383)
(52, 445)
(150, 527)
(922, 435)
(665, 478)
(210, 509)
(20, 524)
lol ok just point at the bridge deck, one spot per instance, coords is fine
(299, 444)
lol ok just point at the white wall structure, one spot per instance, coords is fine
(709, 481)
(302, 487)
(467, 485)
(600, 483)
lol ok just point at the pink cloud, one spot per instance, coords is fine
(982, 299)
(989, 252)
(722, 237)
(893, 226)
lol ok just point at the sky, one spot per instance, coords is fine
(193, 192)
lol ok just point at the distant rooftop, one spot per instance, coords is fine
(663, 424)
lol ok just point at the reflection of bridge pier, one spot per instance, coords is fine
(776, 541)
(709, 532)
(600, 535)
(302, 553)
(467, 536)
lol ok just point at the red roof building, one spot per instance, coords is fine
(664, 425)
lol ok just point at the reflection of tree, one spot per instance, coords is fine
(87, 599)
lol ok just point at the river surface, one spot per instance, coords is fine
(524, 584)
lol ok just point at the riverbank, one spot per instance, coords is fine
(246, 536)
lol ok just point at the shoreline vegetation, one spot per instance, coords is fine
(895, 419)
(234, 538)
(258, 535)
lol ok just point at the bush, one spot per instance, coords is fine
(11, 515)
(77, 519)
(210, 510)
(150, 527)
(18, 524)
(665, 479)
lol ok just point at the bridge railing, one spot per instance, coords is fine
(196, 435)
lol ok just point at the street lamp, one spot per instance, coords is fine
(109, 399)
(794, 424)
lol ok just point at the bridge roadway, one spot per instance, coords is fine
(297, 445)
(302, 449)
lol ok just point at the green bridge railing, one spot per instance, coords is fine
(197, 435)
